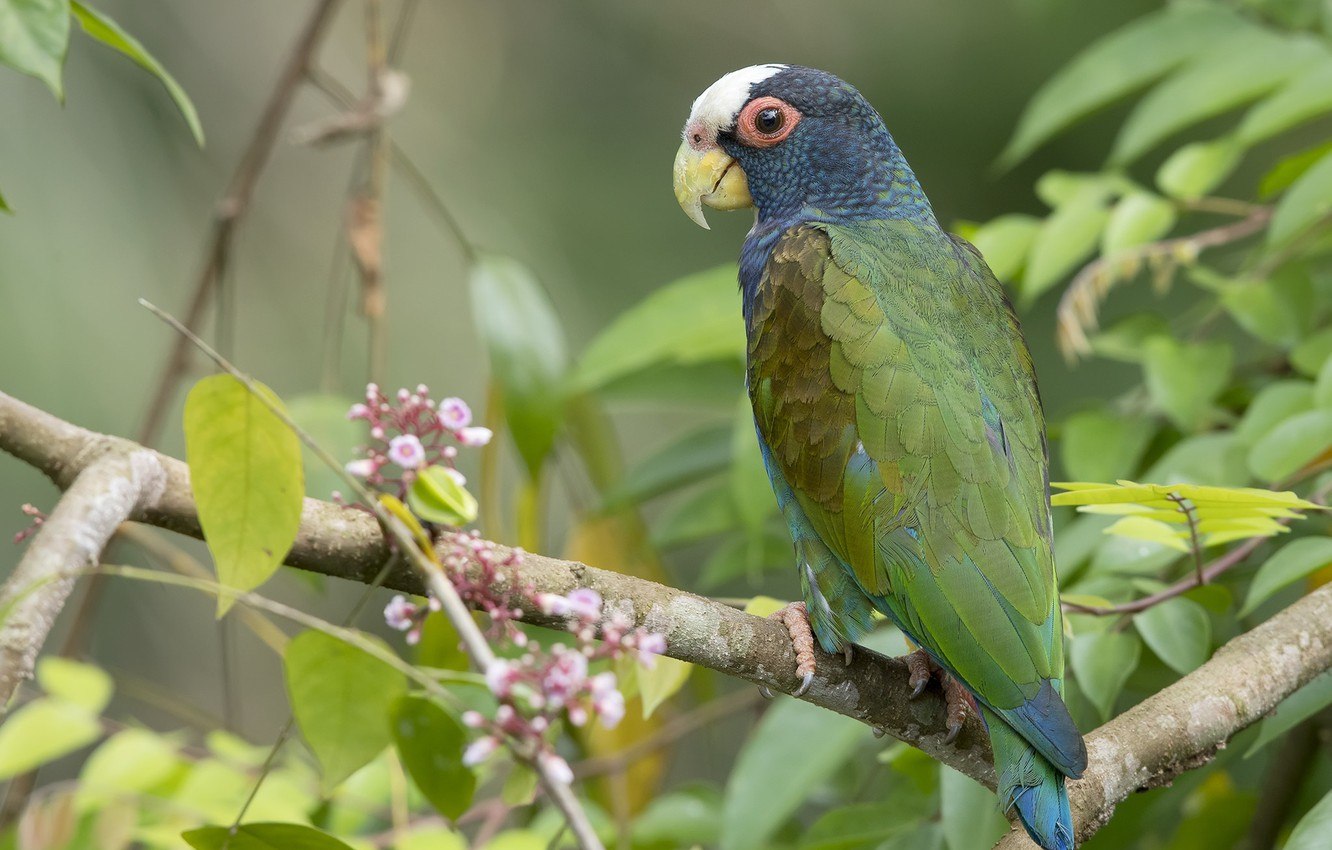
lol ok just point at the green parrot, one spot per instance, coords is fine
(897, 413)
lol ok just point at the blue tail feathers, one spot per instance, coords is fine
(1031, 785)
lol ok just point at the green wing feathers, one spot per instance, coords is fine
(895, 398)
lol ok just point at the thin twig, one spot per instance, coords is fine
(1077, 311)
(234, 204)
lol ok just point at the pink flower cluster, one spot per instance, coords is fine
(540, 686)
(410, 432)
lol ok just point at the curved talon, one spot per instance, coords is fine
(878, 733)
(919, 669)
(847, 655)
(953, 732)
(804, 684)
(764, 692)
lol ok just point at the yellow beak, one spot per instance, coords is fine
(709, 177)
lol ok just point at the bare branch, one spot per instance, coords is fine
(1182, 727)
(110, 486)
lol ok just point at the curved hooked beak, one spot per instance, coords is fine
(709, 177)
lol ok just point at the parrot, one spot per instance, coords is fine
(898, 417)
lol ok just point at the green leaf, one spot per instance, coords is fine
(711, 385)
(82, 684)
(692, 320)
(969, 811)
(1233, 71)
(1098, 445)
(1289, 169)
(685, 817)
(801, 744)
(1005, 242)
(430, 744)
(430, 838)
(341, 698)
(107, 31)
(1178, 631)
(42, 731)
(132, 761)
(1292, 444)
(1123, 340)
(324, 418)
(1306, 96)
(661, 681)
(1309, 356)
(1294, 710)
(1313, 829)
(1198, 168)
(262, 836)
(1102, 663)
(245, 470)
(693, 457)
(1183, 378)
(520, 786)
(34, 35)
(866, 826)
(1068, 237)
(1291, 563)
(1278, 310)
(1322, 394)
(1115, 66)
(436, 496)
(746, 554)
(1274, 403)
(1308, 201)
(527, 353)
(1138, 218)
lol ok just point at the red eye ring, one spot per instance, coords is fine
(760, 114)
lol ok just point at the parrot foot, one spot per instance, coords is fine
(796, 619)
(921, 668)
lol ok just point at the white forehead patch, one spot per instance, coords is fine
(717, 106)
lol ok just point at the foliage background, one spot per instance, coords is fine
(548, 129)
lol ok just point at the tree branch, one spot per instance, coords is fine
(1173, 731)
(109, 486)
(1181, 727)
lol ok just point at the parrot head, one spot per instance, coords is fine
(795, 143)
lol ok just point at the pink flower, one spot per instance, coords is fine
(473, 719)
(479, 750)
(400, 614)
(553, 603)
(585, 603)
(358, 411)
(607, 700)
(556, 768)
(500, 677)
(454, 414)
(474, 436)
(565, 676)
(456, 476)
(406, 451)
(363, 468)
(650, 645)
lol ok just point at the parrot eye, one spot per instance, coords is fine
(766, 121)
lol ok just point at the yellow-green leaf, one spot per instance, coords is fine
(341, 698)
(1138, 218)
(44, 730)
(1143, 528)
(1068, 237)
(82, 684)
(130, 762)
(1291, 445)
(245, 470)
(436, 496)
(1198, 168)
(1004, 243)
(661, 681)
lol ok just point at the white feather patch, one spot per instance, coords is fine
(716, 108)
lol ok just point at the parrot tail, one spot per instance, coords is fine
(1028, 783)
